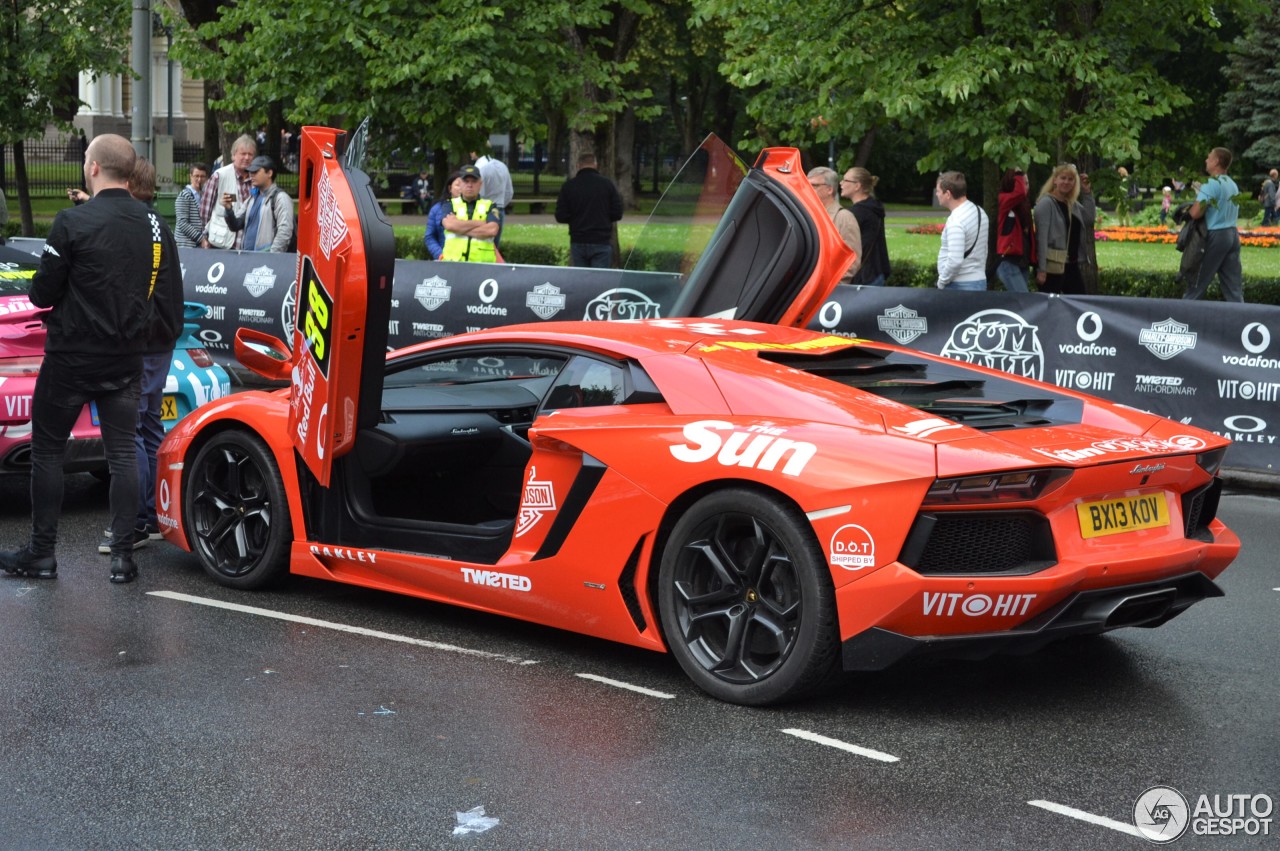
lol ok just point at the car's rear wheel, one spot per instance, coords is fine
(235, 511)
(746, 599)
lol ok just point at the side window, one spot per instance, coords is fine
(587, 383)
(497, 366)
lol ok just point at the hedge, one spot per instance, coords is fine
(1125, 282)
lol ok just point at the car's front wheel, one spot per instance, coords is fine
(235, 511)
(746, 599)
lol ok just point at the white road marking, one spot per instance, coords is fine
(1101, 821)
(628, 686)
(844, 746)
(340, 627)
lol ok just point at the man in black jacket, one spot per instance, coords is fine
(589, 204)
(107, 275)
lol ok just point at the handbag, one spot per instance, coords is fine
(1055, 261)
(220, 234)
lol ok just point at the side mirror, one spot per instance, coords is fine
(264, 353)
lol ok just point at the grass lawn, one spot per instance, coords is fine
(921, 249)
(1139, 256)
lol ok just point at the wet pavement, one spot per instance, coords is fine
(175, 713)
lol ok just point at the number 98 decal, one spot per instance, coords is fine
(316, 321)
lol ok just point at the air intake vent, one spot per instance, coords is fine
(959, 543)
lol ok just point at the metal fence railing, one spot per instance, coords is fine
(55, 164)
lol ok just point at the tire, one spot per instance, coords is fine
(235, 511)
(746, 600)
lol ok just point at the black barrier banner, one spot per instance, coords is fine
(429, 299)
(1214, 365)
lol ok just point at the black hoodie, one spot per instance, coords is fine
(875, 255)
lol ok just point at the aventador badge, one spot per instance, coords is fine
(539, 498)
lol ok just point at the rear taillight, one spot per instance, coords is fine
(26, 366)
(1210, 461)
(200, 357)
(1018, 486)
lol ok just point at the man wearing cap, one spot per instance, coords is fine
(268, 219)
(471, 224)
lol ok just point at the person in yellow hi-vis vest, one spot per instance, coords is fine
(470, 228)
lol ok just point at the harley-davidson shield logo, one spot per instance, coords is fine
(259, 281)
(1168, 338)
(902, 324)
(539, 498)
(545, 300)
(432, 292)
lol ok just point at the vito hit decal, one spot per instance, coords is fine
(945, 604)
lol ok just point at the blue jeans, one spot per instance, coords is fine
(877, 281)
(149, 433)
(967, 286)
(1013, 276)
(59, 396)
(591, 255)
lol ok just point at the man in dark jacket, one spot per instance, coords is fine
(106, 274)
(589, 204)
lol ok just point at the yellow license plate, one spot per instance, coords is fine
(1128, 514)
(169, 408)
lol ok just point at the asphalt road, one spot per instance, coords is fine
(316, 716)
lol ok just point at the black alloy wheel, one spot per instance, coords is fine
(746, 599)
(235, 511)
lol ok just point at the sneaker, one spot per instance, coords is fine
(123, 569)
(140, 539)
(23, 562)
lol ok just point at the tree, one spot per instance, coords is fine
(985, 80)
(1251, 110)
(46, 46)
(440, 76)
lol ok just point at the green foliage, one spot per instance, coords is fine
(1251, 111)
(984, 79)
(534, 254)
(45, 47)
(1118, 281)
(13, 228)
(440, 75)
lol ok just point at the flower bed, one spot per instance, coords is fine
(1261, 237)
(1268, 237)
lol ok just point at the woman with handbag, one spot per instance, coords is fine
(1063, 225)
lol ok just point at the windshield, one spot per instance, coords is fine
(16, 269)
(681, 225)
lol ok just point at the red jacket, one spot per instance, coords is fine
(1014, 236)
